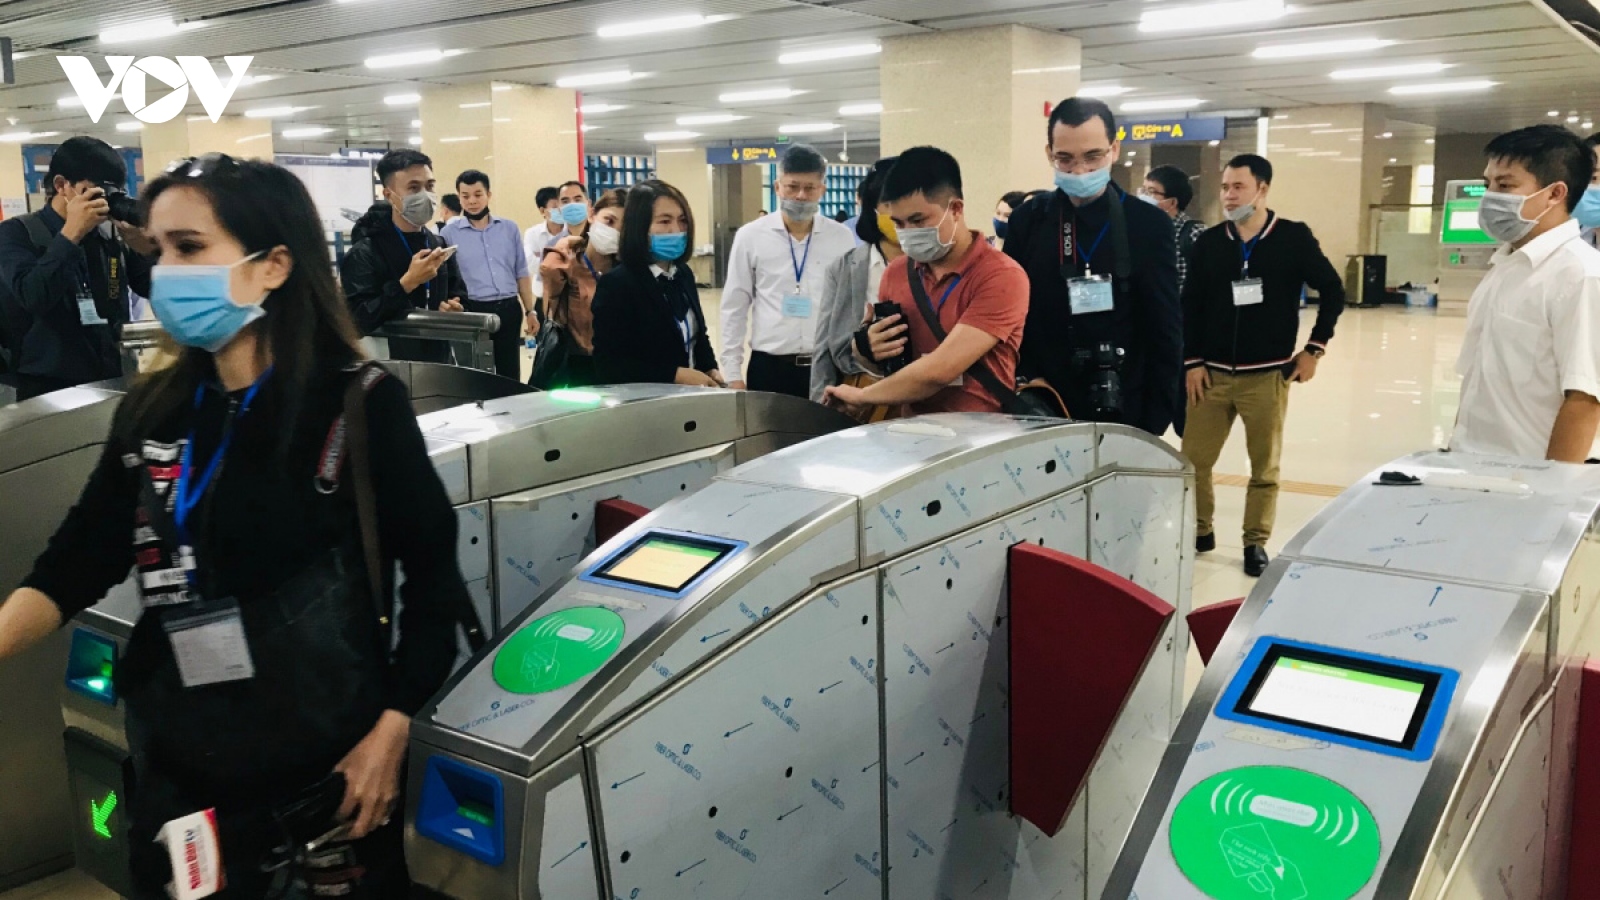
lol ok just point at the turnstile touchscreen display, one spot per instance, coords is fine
(665, 562)
(1362, 698)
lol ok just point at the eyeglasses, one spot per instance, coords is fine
(203, 166)
(1156, 194)
(1092, 159)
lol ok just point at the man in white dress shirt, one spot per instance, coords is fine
(545, 234)
(776, 272)
(1530, 361)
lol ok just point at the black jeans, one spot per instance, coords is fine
(508, 340)
(778, 375)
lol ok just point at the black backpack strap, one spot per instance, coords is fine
(1005, 396)
(1119, 236)
(38, 232)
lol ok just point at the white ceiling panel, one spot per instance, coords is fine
(318, 48)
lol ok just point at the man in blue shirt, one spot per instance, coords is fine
(493, 262)
(66, 272)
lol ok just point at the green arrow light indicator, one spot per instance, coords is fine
(100, 814)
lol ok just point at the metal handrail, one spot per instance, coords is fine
(471, 334)
(426, 324)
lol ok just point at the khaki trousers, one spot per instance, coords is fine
(1261, 399)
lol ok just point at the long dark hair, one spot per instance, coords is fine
(637, 218)
(307, 328)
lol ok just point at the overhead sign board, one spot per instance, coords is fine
(743, 153)
(1205, 128)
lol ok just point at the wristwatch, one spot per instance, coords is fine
(1316, 352)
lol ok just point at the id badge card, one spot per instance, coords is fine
(1247, 292)
(209, 645)
(87, 314)
(796, 306)
(168, 586)
(1091, 294)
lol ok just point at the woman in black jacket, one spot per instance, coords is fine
(238, 483)
(648, 323)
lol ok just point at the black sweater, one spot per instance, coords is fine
(265, 522)
(1287, 257)
(1145, 320)
(636, 335)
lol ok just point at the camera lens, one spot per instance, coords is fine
(123, 207)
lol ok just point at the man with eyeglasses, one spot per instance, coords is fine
(1105, 327)
(777, 270)
(1169, 189)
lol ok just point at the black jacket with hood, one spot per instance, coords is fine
(371, 270)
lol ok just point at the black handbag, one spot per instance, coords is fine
(554, 348)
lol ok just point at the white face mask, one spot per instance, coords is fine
(604, 239)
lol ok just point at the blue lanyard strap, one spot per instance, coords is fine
(799, 262)
(1247, 249)
(1087, 258)
(406, 246)
(188, 490)
(947, 292)
(589, 265)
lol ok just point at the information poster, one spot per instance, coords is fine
(341, 187)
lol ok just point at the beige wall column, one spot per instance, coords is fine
(979, 94)
(183, 137)
(686, 169)
(522, 137)
(13, 186)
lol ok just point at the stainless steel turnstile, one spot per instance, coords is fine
(793, 682)
(1392, 713)
(48, 446)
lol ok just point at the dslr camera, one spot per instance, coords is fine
(1101, 366)
(123, 207)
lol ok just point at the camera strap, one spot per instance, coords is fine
(1117, 215)
(979, 372)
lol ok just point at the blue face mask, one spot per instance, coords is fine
(669, 248)
(195, 304)
(1588, 211)
(575, 213)
(1086, 186)
(1000, 226)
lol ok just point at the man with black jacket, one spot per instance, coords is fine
(397, 264)
(66, 273)
(1241, 316)
(1104, 326)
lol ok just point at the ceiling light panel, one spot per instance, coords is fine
(1211, 16)
(622, 76)
(1320, 48)
(656, 26)
(1406, 70)
(759, 96)
(848, 51)
(1445, 87)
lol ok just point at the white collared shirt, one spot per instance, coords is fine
(761, 273)
(876, 266)
(1533, 333)
(534, 242)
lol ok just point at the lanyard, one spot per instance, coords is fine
(589, 265)
(947, 292)
(188, 491)
(1068, 232)
(404, 245)
(800, 263)
(1247, 249)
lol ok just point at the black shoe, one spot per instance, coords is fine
(1205, 543)
(1255, 561)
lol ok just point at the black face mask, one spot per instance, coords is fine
(479, 217)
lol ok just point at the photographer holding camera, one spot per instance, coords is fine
(66, 271)
(957, 303)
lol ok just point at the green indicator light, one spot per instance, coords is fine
(96, 684)
(100, 814)
(585, 398)
(1474, 190)
(475, 812)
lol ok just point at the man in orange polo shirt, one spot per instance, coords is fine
(979, 295)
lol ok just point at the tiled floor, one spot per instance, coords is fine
(1387, 388)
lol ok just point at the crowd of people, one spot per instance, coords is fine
(1092, 302)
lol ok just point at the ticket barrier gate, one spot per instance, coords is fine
(48, 446)
(1393, 712)
(536, 465)
(794, 682)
